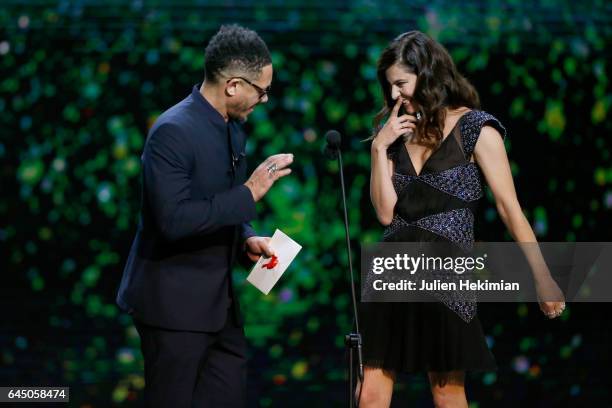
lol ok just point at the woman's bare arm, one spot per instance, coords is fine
(382, 193)
(490, 154)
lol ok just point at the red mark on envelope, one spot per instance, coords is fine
(270, 265)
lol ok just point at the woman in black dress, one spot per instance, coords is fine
(428, 163)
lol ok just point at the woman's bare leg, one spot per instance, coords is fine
(377, 388)
(448, 389)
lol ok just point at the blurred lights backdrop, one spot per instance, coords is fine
(82, 81)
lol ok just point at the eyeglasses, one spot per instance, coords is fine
(261, 91)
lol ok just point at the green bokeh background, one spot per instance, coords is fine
(82, 81)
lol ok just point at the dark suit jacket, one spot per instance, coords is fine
(195, 214)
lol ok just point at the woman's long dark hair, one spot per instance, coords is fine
(438, 86)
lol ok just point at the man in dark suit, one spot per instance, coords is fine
(196, 208)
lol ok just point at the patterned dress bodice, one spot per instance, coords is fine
(439, 203)
(442, 199)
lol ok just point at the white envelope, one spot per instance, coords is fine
(267, 271)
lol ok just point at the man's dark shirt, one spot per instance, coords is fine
(195, 214)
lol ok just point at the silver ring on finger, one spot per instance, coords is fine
(272, 169)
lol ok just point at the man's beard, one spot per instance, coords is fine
(237, 116)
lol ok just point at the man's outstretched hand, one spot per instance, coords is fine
(264, 176)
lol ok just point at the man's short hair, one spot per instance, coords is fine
(235, 50)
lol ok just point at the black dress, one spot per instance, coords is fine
(436, 205)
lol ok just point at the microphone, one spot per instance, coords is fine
(236, 160)
(333, 139)
(352, 341)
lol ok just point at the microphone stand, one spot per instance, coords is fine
(352, 341)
